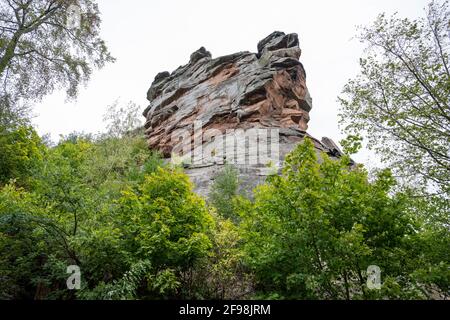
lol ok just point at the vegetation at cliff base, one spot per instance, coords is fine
(137, 231)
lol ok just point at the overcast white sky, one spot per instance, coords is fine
(148, 36)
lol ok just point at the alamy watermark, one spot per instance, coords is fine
(73, 20)
(374, 277)
(74, 280)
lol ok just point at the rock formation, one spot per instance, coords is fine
(216, 111)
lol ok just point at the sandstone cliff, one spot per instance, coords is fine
(223, 110)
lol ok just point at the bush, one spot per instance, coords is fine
(21, 151)
(313, 232)
(223, 190)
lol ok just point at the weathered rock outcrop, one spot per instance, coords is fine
(228, 95)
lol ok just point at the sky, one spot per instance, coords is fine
(147, 36)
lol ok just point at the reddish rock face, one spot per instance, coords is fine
(208, 99)
(239, 91)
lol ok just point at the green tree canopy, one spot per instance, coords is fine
(41, 50)
(313, 232)
(21, 150)
(400, 100)
(223, 189)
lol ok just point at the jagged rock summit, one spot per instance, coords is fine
(244, 98)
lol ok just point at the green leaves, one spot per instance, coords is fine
(223, 190)
(21, 151)
(312, 233)
(351, 144)
(104, 205)
(399, 102)
(40, 53)
(137, 231)
(169, 222)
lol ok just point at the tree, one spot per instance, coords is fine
(41, 51)
(400, 100)
(34, 250)
(122, 120)
(13, 113)
(161, 229)
(21, 151)
(223, 189)
(222, 275)
(313, 232)
(62, 185)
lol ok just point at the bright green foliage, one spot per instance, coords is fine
(223, 275)
(230, 279)
(61, 184)
(114, 162)
(21, 151)
(223, 190)
(157, 233)
(32, 247)
(124, 288)
(68, 215)
(351, 144)
(137, 231)
(41, 52)
(169, 222)
(400, 100)
(312, 232)
(428, 251)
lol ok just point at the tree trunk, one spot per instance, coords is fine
(9, 52)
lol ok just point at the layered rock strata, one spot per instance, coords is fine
(247, 109)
